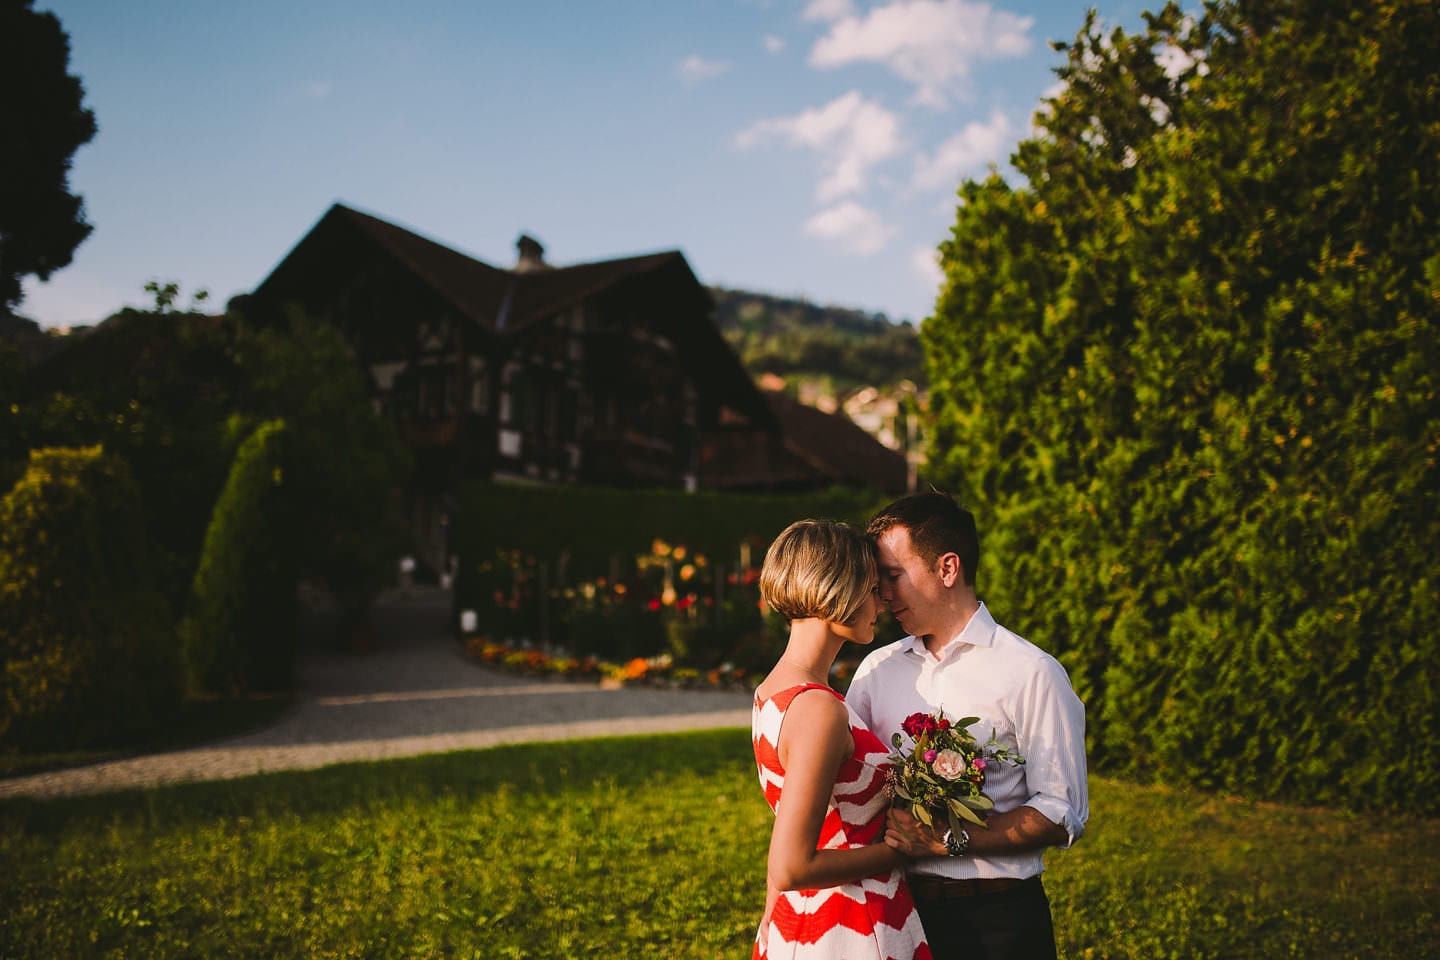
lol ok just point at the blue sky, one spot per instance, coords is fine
(797, 147)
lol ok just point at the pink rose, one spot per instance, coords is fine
(929, 756)
(950, 764)
(979, 763)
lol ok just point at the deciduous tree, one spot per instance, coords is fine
(43, 120)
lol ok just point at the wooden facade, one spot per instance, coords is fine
(610, 373)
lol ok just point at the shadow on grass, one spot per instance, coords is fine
(195, 722)
(542, 769)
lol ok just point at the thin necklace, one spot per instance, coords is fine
(805, 669)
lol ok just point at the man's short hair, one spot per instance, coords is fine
(937, 524)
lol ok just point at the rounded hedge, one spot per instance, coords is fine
(86, 637)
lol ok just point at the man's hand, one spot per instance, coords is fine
(911, 837)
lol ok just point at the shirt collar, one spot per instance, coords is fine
(978, 632)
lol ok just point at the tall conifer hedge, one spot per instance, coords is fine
(1186, 373)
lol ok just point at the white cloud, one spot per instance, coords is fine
(773, 44)
(926, 263)
(853, 228)
(829, 10)
(851, 134)
(695, 68)
(1173, 60)
(970, 151)
(934, 44)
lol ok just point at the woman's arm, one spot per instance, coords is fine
(815, 740)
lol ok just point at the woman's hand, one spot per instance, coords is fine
(911, 837)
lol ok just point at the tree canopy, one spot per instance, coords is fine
(787, 336)
(1186, 373)
(44, 121)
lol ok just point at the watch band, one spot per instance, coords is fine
(957, 844)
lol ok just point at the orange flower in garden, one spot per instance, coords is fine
(636, 668)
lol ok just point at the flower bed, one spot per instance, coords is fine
(656, 671)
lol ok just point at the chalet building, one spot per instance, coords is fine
(610, 373)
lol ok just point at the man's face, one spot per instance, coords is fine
(910, 587)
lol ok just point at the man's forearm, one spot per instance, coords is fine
(1016, 831)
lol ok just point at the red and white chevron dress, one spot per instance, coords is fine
(872, 918)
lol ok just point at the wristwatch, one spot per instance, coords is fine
(956, 844)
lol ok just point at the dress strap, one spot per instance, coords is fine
(784, 697)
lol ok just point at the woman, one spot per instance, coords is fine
(833, 889)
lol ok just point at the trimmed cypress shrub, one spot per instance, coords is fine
(239, 632)
(86, 637)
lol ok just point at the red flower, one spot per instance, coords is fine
(919, 723)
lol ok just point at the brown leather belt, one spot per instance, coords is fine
(943, 888)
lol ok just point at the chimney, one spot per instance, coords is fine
(532, 255)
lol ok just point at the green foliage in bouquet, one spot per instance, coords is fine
(943, 771)
(1187, 373)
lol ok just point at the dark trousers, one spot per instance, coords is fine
(1012, 924)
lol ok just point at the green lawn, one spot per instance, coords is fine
(643, 847)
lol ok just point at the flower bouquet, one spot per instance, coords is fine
(943, 772)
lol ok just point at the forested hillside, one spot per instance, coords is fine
(791, 337)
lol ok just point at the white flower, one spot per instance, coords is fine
(950, 764)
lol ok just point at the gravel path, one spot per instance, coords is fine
(415, 693)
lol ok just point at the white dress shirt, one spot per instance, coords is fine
(1017, 690)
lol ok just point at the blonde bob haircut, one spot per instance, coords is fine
(819, 568)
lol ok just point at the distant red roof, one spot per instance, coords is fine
(814, 448)
(836, 446)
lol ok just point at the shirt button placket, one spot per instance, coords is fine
(926, 685)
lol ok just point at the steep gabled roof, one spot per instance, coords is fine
(489, 296)
(471, 286)
(545, 292)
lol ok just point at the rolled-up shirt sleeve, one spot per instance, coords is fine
(1050, 732)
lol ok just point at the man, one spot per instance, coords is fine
(980, 897)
